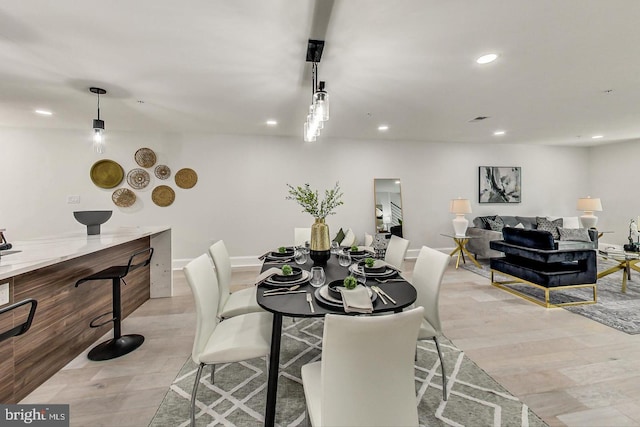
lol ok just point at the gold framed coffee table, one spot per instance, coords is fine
(626, 262)
(461, 250)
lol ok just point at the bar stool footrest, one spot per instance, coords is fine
(116, 347)
(92, 324)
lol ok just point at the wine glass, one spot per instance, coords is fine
(360, 275)
(317, 277)
(344, 259)
(300, 256)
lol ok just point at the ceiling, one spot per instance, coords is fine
(567, 70)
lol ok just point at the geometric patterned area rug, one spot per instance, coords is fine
(615, 309)
(238, 396)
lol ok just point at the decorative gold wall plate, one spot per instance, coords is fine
(162, 172)
(106, 173)
(123, 197)
(138, 178)
(163, 195)
(145, 157)
(186, 178)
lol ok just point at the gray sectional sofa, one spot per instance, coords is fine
(482, 233)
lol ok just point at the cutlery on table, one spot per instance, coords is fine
(389, 280)
(291, 288)
(283, 293)
(380, 291)
(263, 256)
(310, 301)
(284, 261)
(377, 291)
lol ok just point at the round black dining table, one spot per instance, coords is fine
(296, 305)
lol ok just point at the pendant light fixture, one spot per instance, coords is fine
(98, 125)
(319, 109)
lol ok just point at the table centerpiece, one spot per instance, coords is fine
(309, 200)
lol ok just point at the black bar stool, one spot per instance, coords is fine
(119, 345)
(23, 327)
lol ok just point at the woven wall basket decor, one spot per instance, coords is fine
(123, 197)
(163, 195)
(106, 173)
(162, 172)
(145, 157)
(138, 178)
(186, 178)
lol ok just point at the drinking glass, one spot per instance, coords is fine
(359, 274)
(344, 259)
(300, 257)
(317, 277)
(334, 247)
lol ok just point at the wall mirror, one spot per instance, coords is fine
(388, 205)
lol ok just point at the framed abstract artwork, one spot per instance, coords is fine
(500, 184)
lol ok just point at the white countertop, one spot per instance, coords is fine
(45, 251)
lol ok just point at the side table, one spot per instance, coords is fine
(461, 250)
(626, 262)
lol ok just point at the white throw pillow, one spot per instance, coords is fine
(570, 222)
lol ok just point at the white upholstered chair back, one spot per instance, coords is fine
(222, 262)
(301, 236)
(396, 251)
(367, 370)
(427, 278)
(368, 240)
(204, 286)
(349, 238)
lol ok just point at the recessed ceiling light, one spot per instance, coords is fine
(596, 136)
(272, 122)
(383, 128)
(499, 132)
(44, 112)
(485, 59)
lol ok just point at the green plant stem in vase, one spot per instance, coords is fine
(309, 200)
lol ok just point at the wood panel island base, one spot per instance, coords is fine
(60, 329)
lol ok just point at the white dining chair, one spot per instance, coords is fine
(349, 238)
(396, 251)
(427, 279)
(242, 337)
(366, 375)
(231, 303)
(301, 236)
(368, 240)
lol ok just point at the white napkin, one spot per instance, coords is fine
(266, 274)
(386, 264)
(356, 300)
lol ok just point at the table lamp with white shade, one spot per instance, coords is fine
(589, 206)
(460, 207)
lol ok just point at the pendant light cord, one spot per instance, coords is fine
(98, 105)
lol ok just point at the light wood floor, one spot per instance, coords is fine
(568, 369)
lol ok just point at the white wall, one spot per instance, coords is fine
(614, 171)
(240, 195)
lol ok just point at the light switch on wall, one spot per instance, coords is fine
(75, 199)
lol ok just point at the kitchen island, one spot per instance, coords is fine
(46, 269)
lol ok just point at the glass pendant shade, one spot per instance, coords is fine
(321, 103)
(309, 136)
(98, 136)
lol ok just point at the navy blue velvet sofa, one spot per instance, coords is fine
(532, 257)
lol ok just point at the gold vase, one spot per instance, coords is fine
(320, 243)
